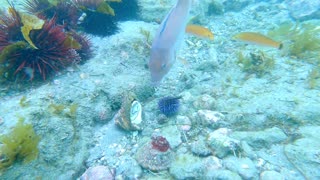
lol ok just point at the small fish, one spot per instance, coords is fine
(256, 38)
(199, 31)
(167, 40)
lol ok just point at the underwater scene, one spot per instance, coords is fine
(159, 89)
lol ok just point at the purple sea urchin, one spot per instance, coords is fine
(169, 105)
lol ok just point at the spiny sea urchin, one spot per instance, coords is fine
(19, 59)
(169, 106)
(85, 50)
(99, 17)
(65, 12)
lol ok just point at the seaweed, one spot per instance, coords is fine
(303, 40)
(56, 108)
(255, 63)
(21, 144)
(23, 102)
(69, 111)
(72, 110)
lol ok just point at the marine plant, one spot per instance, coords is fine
(21, 144)
(302, 40)
(169, 105)
(255, 63)
(69, 110)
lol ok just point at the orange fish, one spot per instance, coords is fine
(199, 31)
(256, 38)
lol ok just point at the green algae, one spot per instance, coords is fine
(256, 63)
(69, 111)
(21, 144)
(23, 102)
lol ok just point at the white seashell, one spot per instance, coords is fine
(136, 113)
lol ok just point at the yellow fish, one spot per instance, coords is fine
(256, 38)
(199, 31)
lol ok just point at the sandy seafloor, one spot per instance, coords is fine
(268, 126)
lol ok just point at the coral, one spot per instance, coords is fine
(160, 143)
(169, 106)
(258, 63)
(20, 144)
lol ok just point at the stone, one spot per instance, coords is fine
(209, 118)
(261, 139)
(184, 123)
(303, 9)
(304, 153)
(97, 173)
(173, 135)
(222, 145)
(243, 166)
(153, 159)
(128, 168)
(186, 166)
(199, 147)
(205, 101)
(222, 174)
(271, 175)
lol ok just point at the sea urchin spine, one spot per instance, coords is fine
(169, 105)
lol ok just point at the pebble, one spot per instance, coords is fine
(97, 173)
(222, 174)
(199, 147)
(153, 159)
(184, 123)
(205, 101)
(187, 166)
(271, 175)
(222, 145)
(243, 166)
(210, 118)
(260, 139)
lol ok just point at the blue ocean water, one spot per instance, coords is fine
(78, 100)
